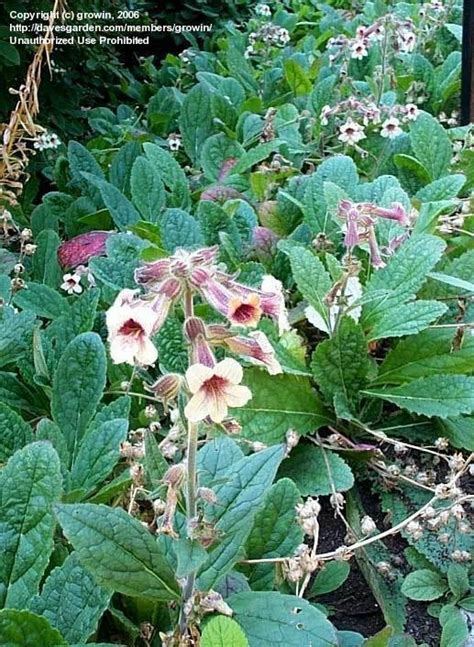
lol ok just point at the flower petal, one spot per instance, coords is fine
(123, 349)
(230, 370)
(198, 406)
(237, 395)
(196, 375)
(146, 352)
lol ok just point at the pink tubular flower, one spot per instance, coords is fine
(215, 390)
(198, 271)
(351, 132)
(131, 322)
(396, 212)
(359, 50)
(391, 128)
(80, 249)
(257, 349)
(240, 310)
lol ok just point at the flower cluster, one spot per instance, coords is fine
(214, 386)
(359, 221)
(267, 34)
(354, 111)
(401, 32)
(46, 140)
(199, 273)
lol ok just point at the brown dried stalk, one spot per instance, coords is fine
(21, 130)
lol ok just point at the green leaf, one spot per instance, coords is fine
(148, 192)
(195, 122)
(171, 174)
(47, 430)
(179, 229)
(316, 471)
(15, 433)
(438, 395)
(312, 279)
(122, 164)
(406, 319)
(77, 387)
(426, 354)
(424, 584)
(45, 264)
(171, 345)
(431, 144)
(255, 156)
(223, 632)
(455, 631)
(403, 276)
(296, 78)
(29, 485)
(71, 600)
(340, 365)
(453, 281)
(411, 171)
(99, 452)
(155, 463)
(238, 496)
(16, 333)
(123, 257)
(458, 580)
(216, 458)
(26, 629)
(271, 619)
(42, 300)
(279, 403)
(274, 532)
(216, 150)
(442, 189)
(331, 576)
(459, 431)
(120, 553)
(341, 171)
(190, 555)
(120, 208)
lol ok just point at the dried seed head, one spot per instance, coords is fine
(292, 439)
(175, 476)
(159, 506)
(367, 525)
(337, 500)
(214, 601)
(150, 411)
(441, 443)
(207, 495)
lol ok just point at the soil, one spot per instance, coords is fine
(353, 606)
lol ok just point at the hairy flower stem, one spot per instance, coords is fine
(191, 479)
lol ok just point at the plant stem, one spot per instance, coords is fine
(191, 478)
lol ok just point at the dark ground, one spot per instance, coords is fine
(353, 606)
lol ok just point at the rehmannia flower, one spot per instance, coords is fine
(359, 224)
(197, 271)
(214, 390)
(131, 322)
(256, 348)
(80, 249)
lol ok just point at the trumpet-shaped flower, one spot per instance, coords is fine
(351, 132)
(214, 390)
(130, 323)
(257, 348)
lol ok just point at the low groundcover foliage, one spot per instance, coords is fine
(243, 314)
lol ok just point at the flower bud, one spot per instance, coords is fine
(167, 387)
